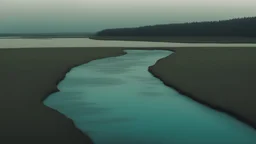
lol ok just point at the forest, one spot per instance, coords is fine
(238, 27)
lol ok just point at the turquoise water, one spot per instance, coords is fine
(117, 101)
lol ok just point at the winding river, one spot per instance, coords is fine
(117, 101)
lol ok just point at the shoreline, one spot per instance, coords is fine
(62, 77)
(235, 110)
(49, 125)
(212, 106)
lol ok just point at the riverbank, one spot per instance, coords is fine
(182, 39)
(27, 77)
(222, 78)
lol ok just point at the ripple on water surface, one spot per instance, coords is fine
(117, 101)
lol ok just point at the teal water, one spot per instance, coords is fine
(117, 101)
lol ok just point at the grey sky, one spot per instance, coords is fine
(92, 15)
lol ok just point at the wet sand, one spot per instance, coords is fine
(222, 78)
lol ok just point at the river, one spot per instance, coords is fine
(117, 101)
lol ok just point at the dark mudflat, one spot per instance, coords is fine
(27, 76)
(222, 78)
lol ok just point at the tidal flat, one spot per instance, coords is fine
(220, 77)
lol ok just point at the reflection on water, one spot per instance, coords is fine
(117, 101)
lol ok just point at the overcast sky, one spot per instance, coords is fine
(92, 15)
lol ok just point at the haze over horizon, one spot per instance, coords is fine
(46, 16)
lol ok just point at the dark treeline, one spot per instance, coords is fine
(241, 27)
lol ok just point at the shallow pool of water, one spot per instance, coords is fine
(117, 101)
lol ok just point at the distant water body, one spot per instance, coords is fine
(117, 101)
(85, 42)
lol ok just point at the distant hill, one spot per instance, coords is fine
(238, 27)
(46, 35)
